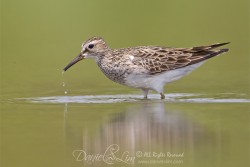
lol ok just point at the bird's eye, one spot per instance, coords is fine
(91, 46)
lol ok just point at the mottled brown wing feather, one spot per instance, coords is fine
(160, 59)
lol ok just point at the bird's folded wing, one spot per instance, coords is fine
(160, 59)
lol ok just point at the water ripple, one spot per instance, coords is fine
(176, 97)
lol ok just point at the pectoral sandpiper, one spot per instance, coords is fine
(145, 67)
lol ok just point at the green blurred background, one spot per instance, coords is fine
(38, 38)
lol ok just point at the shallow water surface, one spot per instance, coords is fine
(178, 97)
(124, 130)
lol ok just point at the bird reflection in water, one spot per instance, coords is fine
(148, 128)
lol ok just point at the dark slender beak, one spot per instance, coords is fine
(74, 61)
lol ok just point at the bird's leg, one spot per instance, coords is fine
(162, 95)
(145, 93)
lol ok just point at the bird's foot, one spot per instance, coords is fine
(145, 92)
(162, 95)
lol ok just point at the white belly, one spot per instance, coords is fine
(157, 82)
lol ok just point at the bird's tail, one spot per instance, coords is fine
(209, 47)
(202, 53)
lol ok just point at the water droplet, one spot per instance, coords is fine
(64, 84)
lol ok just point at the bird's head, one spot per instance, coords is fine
(91, 48)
